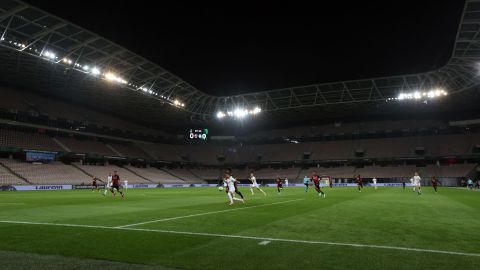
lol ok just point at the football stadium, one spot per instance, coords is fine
(109, 160)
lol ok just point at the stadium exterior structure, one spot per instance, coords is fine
(43, 52)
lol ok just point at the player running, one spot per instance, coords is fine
(236, 188)
(470, 184)
(359, 181)
(255, 185)
(115, 184)
(374, 180)
(231, 189)
(108, 185)
(316, 181)
(416, 183)
(235, 183)
(279, 185)
(306, 181)
(434, 183)
(94, 184)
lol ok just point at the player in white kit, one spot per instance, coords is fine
(374, 180)
(108, 185)
(231, 189)
(255, 185)
(286, 181)
(125, 184)
(416, 183)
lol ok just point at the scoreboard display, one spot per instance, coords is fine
(198, 134)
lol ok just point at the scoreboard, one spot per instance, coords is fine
(198, 134)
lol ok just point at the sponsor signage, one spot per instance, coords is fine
(44, 187)
(87, 186)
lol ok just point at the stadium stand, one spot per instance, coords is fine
(157, 175)
(26, 140)
(204, 154)
(129, 150)
(454, 170)
(270, 173)
(52, 173)
(334, 172)
(183, 174)
(207, 173)
(161, 151)
(87, 146)
(7, 178)
(345, 128)
(59, 109)
(102, 173)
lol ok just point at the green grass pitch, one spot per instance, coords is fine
(194, 228)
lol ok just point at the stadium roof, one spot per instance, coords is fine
(45, 53)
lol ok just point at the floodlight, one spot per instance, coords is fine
(95, 71)
(110, 76)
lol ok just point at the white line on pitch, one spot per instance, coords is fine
(203, 214)
(249, 238)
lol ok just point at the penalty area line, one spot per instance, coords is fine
(205, 213)
(245, 237)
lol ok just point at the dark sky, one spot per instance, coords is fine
(227, 48)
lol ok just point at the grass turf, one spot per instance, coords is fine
(447, 221)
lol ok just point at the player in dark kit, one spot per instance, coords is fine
(434, 183)
(115, 184)
(316, 182)
(94, 184)
(359, 181)
(279, 184)
(235, 184)
(403, 183)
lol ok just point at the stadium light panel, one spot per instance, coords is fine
(67, 61)
(110, 76)
(49, 55)
(240, 113)
(95, 71)
(86, 68)
(431, 94)
(256, 110)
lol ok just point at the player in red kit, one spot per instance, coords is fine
(316, 181)
(434, 183)
(94, 184)
(279, 184)
(359, 181)
(115, 184)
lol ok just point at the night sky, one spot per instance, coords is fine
(226, 48)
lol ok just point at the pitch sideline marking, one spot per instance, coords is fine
(249, 238)
(203, 214)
